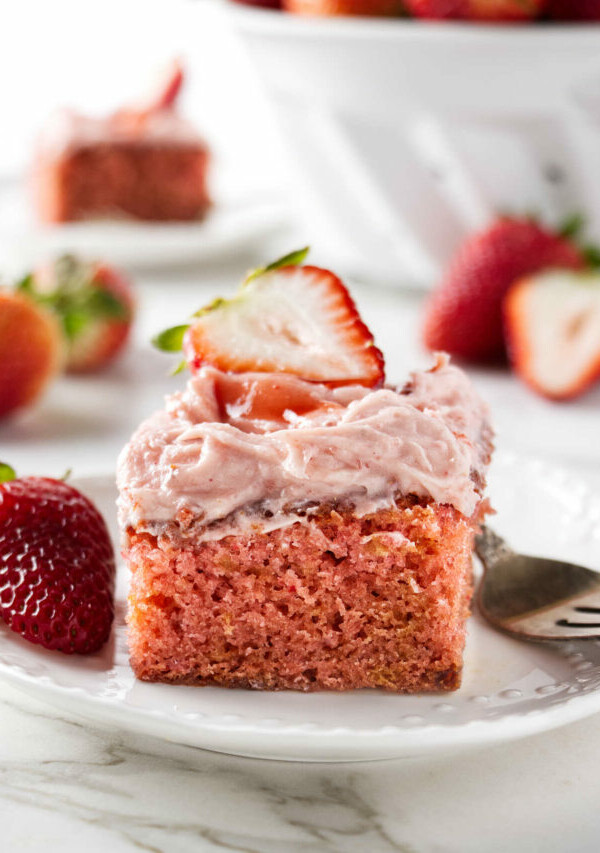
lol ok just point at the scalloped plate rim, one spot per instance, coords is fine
(292, 740)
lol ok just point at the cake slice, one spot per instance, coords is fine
(302, 525)
(145, 162)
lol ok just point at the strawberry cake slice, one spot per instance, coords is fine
(289, 520)
(144, 162)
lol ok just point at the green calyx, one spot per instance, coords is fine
(171, 340)
(73, 296)
(571, 229)
(293, 259)
(572, 226)
(7, 473)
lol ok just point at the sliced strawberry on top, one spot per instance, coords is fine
(553, 331)
(286, 318)
(168, 88)
(162, 96)
(298, 320)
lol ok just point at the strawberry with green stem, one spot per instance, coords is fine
(95, 306)
(286, 318)
(463, 316)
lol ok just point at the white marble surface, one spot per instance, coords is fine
(66, 785)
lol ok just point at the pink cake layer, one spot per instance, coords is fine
(335, 602)
(154, 182)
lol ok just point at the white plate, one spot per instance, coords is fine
(510, 689)
(232, 223)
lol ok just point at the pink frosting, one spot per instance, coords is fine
(232, 465)
(67, 129)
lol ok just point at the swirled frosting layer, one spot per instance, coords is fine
(234, 451)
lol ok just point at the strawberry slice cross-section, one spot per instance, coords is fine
(553, 331)
(286, 318)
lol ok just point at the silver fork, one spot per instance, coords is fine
(533, 597)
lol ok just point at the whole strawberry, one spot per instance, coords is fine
(574, 10)
(94, 304)
(31, 351)
(367, 8)
(464, 315)
(57, 565)
(487, 11)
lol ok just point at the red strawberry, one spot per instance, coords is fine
(371, 8)
(265, 4)
(31, 351)
(286, 318)
(464, 315)
(94, 303)
(488, 11)
(168, 89)
(553, 331)
(574, 10)
(163, 96)
(57, 565)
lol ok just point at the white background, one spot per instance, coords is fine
(95, 56)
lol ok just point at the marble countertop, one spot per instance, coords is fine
(66, 784)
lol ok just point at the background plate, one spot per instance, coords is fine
(510, 689)
(234, 222)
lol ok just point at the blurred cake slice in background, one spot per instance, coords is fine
(144, 162)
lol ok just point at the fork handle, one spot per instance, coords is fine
(490, 547)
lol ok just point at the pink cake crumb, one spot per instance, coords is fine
(332, 602)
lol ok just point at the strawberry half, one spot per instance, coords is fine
(464, 315)
(94, 304)
(553, 331)
(286, 318)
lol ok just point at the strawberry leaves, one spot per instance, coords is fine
(7, 473)
(71, 293)
(170, 340)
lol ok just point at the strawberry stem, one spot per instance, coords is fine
(591, 255)
(74, 297)
(572, 226)
(292, 259)
(7, 473)
(170, 340)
